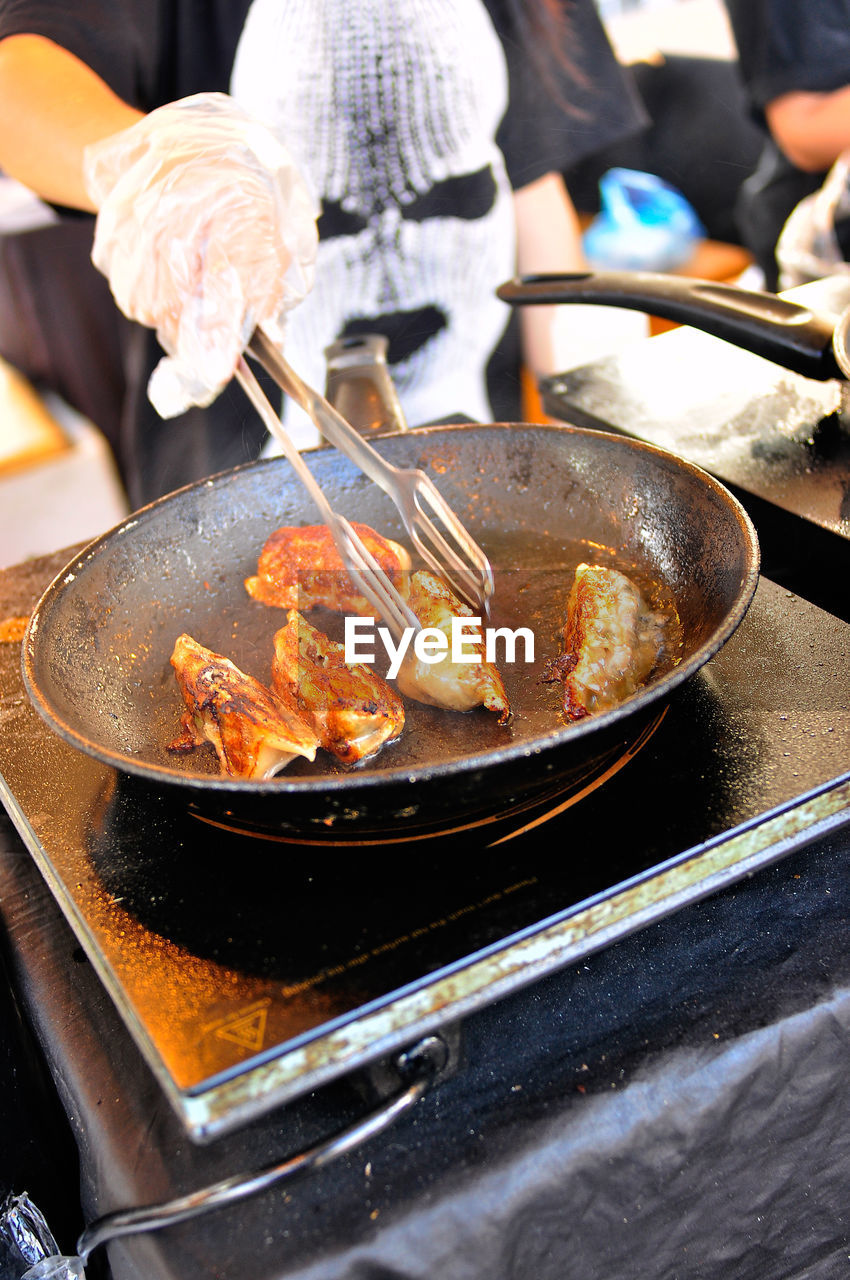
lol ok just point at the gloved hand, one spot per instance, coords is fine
(205, 230)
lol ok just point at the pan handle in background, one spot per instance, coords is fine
(418, 1068)
(785, 332)
(359, 384)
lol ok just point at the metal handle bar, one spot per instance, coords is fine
(419, 1066)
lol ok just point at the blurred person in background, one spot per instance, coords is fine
(795, 62)
(208, 145)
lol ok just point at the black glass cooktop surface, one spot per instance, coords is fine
(250, 969)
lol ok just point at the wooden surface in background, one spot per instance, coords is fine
(28, 433)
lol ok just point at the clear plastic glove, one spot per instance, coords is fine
(808, 247)
(205, 230)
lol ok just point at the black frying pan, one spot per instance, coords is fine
(539, 499)
(785, 332)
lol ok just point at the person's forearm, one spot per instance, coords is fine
(51, 107)
(548, 240)
(812, 129)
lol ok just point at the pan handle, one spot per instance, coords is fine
(359, 384)
(785, 332)
(417, 1068)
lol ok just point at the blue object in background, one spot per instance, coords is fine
(645, 224)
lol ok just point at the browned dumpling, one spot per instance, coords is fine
(612, 641)
(457, 686)
(350, 708)
(300, 568)
(255, 734)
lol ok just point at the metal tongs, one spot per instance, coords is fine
(464, 566)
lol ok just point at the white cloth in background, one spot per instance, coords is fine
(21, 209)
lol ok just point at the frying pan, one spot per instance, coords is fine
(788, 333)
(538, 498)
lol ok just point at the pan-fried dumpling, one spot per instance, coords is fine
(254, 733)
(351, 709)
(457, 686)
(612, 641)
(300, 568)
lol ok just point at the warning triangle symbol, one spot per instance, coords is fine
(248, 1030)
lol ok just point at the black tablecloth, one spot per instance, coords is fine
(675, 1106)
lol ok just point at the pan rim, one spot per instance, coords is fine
(357, 780)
